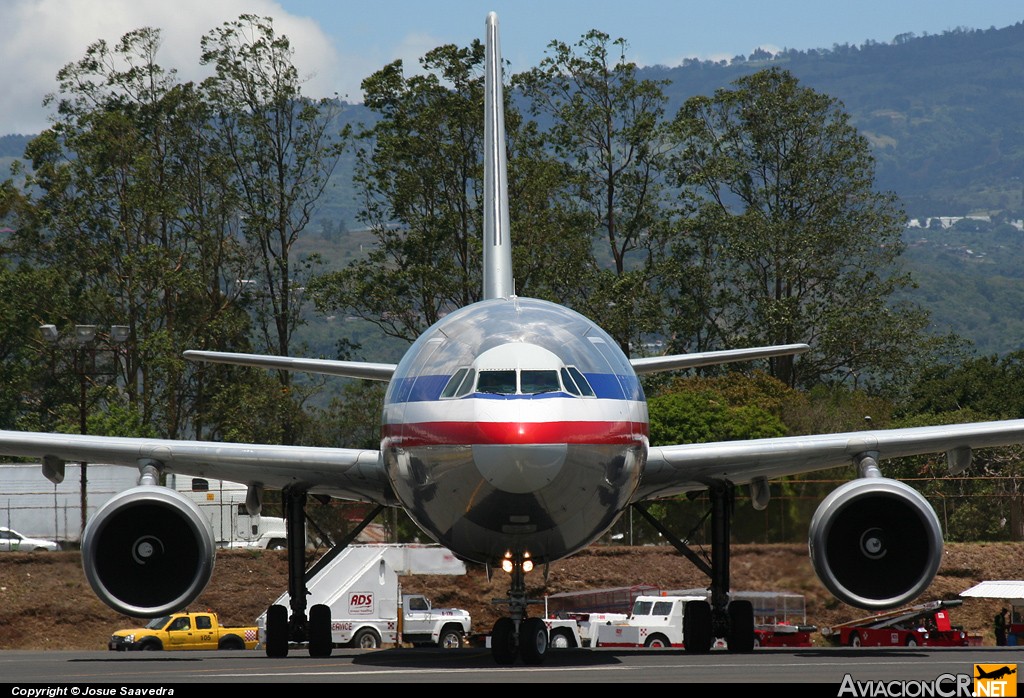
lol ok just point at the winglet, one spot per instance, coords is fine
(497, 245)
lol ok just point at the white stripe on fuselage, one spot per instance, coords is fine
(551, 409)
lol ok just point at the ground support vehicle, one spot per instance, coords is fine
(185, 631)
(780, 618)
(607, 600)
(925, 625)
(655, 621)
(572, 617)
(359, 590)
(578, 629)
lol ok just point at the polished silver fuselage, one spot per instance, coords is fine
(497, 470)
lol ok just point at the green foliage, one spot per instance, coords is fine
(790, 242)
(607, 129)
(281, 151)
(420, 178)
(723, 408)
(988, 384)
(700, 417)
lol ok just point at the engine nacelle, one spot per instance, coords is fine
(148, 551)
(875, 543)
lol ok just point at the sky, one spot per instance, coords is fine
(338, 42)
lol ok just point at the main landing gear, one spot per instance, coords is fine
(703, 621)
(282, 629)
(518, 634)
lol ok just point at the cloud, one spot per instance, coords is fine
(41, 36)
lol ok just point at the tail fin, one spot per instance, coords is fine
(497, 245)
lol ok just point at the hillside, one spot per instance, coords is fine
(46, 603)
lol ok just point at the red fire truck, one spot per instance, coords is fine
(925, 625)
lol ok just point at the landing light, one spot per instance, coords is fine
(508, 563)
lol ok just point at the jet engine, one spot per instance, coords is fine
(875, 543)
(148, 551)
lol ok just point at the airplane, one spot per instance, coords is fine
(515, 433)
(995, 673)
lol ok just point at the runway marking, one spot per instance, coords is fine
(618, 668)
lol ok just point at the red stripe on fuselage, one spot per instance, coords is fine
(468, 433)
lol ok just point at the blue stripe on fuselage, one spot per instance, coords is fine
(428, 388)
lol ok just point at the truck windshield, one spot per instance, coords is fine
(642, 608)
(158, 623)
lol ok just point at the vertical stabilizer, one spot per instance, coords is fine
(497, 245)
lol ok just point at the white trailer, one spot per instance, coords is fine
(34, 506)
(360, 586)
(233, 526)
(579, 629)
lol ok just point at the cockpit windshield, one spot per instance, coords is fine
(517, 369)
(533, 382)
(500, 382)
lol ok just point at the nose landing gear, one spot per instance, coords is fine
(518, 634)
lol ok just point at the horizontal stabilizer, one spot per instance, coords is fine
(348, 369)
(653, 364)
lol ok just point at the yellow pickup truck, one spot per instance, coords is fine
(185, 631)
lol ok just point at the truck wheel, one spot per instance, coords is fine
(450, 638)
(657, 642)
(231, 642)
(911, 642)
(855, 640)
(561, 639)
(151, 645)
(366, 639)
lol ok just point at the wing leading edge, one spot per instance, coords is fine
(685, 468)
(345, 473)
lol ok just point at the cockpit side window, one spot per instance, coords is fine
(460, 384)
(453, 384)
(534, 381)
(501, 382)
(569, 383)
(581, 381)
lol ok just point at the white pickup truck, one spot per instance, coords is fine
(423, 625)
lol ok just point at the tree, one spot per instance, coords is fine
(420, 179)
(282, 149)
(608, 131)
(789, 241)
(123, 201)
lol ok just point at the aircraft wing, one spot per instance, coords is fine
(345, 473)
(685, 468)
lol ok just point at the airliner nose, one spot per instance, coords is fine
(519, 468)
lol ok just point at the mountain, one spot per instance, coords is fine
(942, 113)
